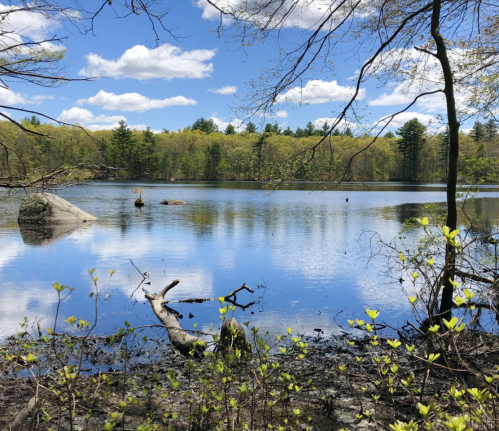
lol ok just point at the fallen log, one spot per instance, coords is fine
(232, 334)
(185, 343)
(22, 415)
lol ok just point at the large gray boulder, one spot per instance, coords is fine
(47, 208)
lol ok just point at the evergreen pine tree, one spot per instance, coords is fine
(206, 126)
(251, 127)
(309, 129)
(121, 141)
(477, 132)
(230, 130)
(490, 131)
(348, 132)
(149, 141)
(411, 134)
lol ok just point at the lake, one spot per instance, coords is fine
(304, 252)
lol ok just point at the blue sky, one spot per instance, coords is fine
(172, 84)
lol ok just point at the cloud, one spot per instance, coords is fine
(83, 116)
(40, 99)
(222, 125)
(404, 117)
(420, 73)
(228, 89)
(297, 13)
(318, 91)
(138, 127)
(32, 25)
(404, 94)
(101, 122)
(133, 102)
(9, 97)
(278, 114)
(19, 26)
(342, 125)
(164, 62)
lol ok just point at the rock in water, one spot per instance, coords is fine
(173, 202)
(47, 208)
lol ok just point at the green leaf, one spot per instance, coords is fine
(450, 324)
(394, 343)
(372, 313)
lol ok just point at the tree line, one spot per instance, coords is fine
(202, 152)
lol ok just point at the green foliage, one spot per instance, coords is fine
(189, 154)
(33, 121)
(206, 126)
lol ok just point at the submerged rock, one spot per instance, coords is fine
(47, 208)
(173, 202)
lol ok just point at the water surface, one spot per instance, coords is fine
(304, 252)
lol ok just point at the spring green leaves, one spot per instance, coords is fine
(372, 313)
(423, 221)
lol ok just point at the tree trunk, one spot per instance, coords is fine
(450, 253)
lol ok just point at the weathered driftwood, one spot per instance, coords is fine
(180, 339)
(17, 423)
(232, 335)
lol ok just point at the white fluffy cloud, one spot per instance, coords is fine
(139, 127)
(28, 24)
(402, 118)
(404, 94)
(222, 125)
(278, 114)
(281, 114)
(164, 62)
(20, 26)
(100, 122)
(133, 102)
(9, 97)
(318, 91)
(294, 13)
(228, 89)
(342, 125)
(83, 116)
(419, 73)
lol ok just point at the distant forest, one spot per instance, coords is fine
(202, 152)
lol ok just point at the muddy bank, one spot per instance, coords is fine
(334, 385)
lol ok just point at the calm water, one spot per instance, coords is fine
(306, 247)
